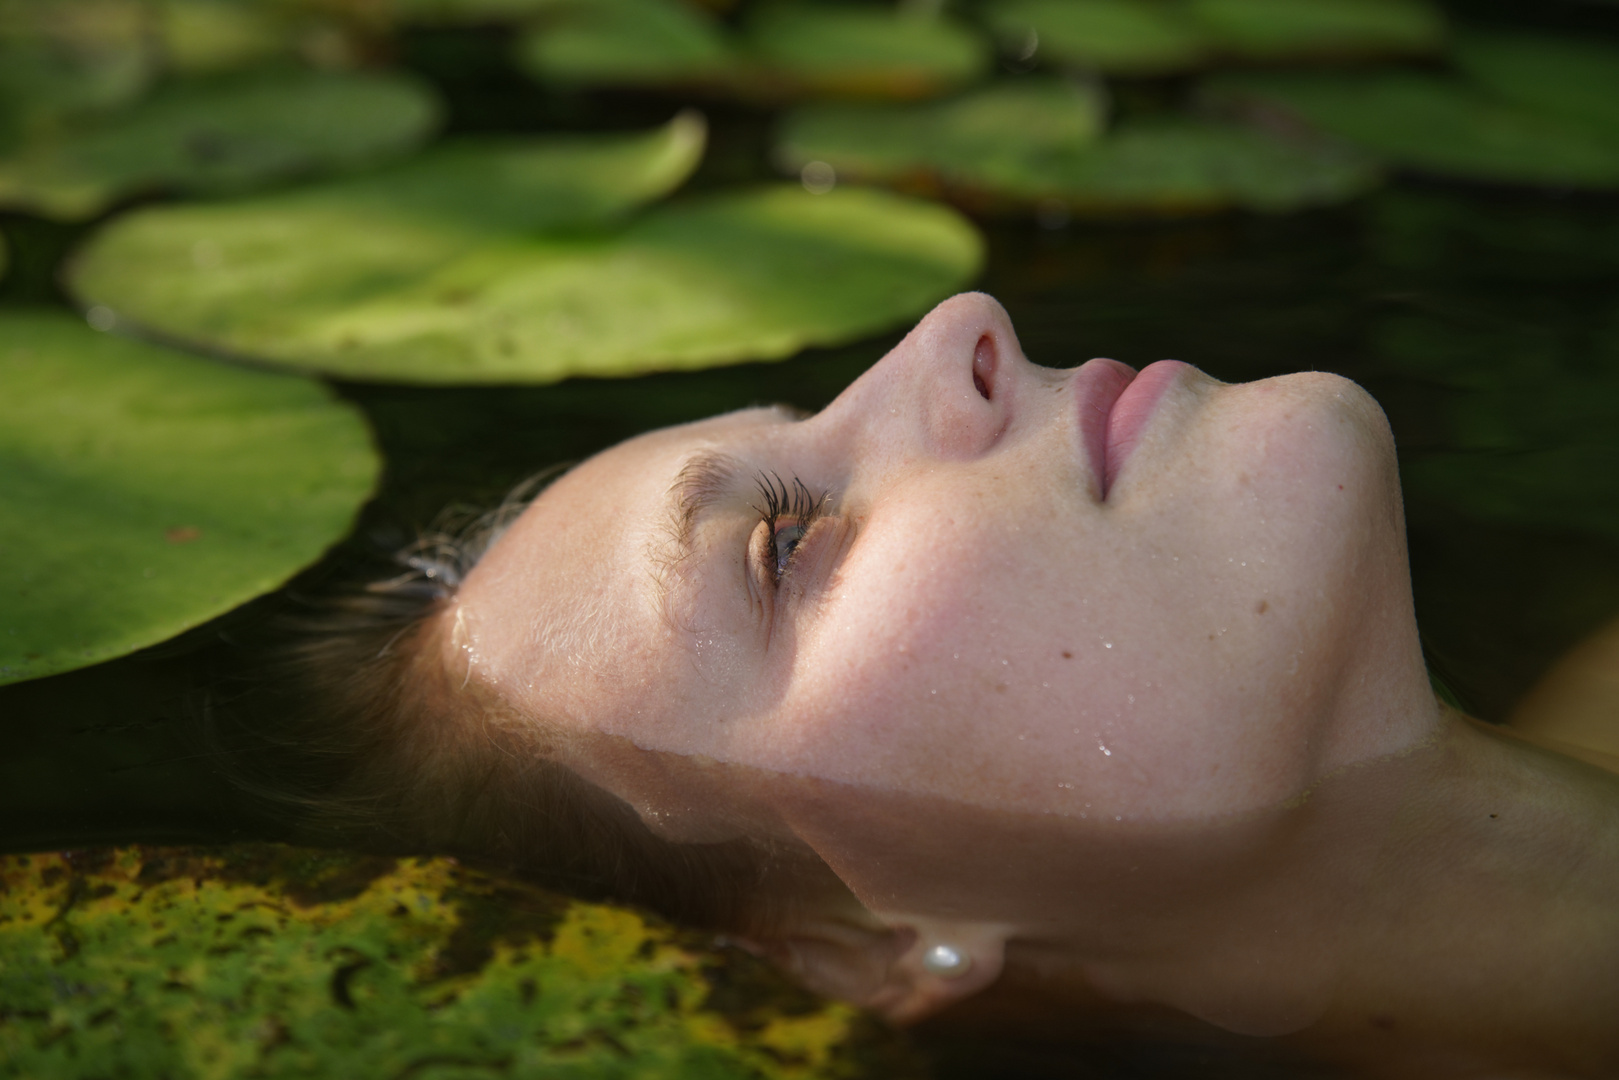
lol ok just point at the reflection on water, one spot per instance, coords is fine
(1487, 326)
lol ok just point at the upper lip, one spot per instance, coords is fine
(1098, 385)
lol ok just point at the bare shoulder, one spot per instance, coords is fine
(1575, 706)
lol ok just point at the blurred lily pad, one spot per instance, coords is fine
(1116, 37)
(201, 37)
(63, 58)
(265, 961)
(1159, 37)
(630, 43)
(1319, 29)
(1012, 127)
(220, 136)
(846, 49)
(143, 491)
(752, 275)
(782, 50)
(1435, 125)
(984, 149)
(1574, 80)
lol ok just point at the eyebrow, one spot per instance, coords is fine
(703, 479)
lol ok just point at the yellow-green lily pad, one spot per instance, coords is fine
(201, 37)
(1167, 165)
(782, 50)
(143, 491)
(1436, 125)
(1308, 29)
(1576, 81)
(751, 275)
(281, 962)
(1116, 37)
(219, 136)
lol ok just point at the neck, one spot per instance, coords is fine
(1431, 913)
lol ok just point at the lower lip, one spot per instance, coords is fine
(1131, 412)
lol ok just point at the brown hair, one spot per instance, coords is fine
(351, 736)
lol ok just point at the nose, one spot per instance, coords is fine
(949, 391)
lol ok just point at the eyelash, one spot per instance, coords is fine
(795, 501)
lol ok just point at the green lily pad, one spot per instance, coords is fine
(220, 136)
(630, 43)
(1304, 29)
(204, 37)
(1012, 127)
(279, 962)
(842, 49)
(1574, 80)
(1116, 37)
(63, 58)
(143, 491)
(1434, 125)
(1160, 37)
(783, 49)
(752, 275)
(977, 149)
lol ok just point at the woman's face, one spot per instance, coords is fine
(1081, 591)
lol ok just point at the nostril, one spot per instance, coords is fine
(984, 366)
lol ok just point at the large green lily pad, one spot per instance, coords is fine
(143, 491)
(1574, 80)
(278, 962)
(1035, 145)
(1434, 125)
(783, 49)
(218, 136)
(1159, 37)
(479, 275)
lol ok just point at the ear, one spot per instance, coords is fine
(886, 965)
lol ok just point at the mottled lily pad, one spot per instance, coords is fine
(218, 136)
(1574, 80)
(1304, 29)
(1163, 166)
(782, 50)
(750, 275)
(1117, 37)
(278, 962)
(1435, 125)
(143, 491)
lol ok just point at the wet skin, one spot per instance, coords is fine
(970, 615)
(1107, 680)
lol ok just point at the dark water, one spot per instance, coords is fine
(1485, 321)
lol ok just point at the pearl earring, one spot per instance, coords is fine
(946, 960)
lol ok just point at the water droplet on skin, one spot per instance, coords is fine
(1104, 749)
(1107, 644)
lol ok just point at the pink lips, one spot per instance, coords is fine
(1115, 404)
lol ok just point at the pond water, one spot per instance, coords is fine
(1485, 321)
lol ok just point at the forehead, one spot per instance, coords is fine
(569, 596)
